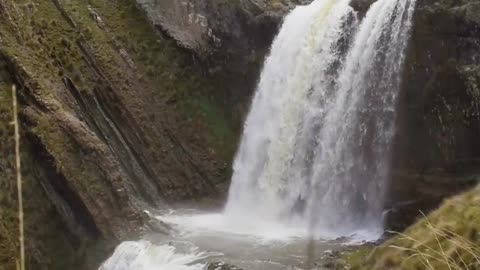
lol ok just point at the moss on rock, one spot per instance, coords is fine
(113, 114)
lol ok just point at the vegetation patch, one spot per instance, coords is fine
(447, 239)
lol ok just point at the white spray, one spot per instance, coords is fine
(316, 145)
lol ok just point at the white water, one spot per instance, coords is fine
(314, 157)
(144, 255)
(316, 144)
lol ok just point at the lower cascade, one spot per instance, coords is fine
(316, 143)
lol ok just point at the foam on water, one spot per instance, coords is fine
(221, 223)
(143, 255)
(262, 231)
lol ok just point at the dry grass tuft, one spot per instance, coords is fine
(460, 250)
(21, 262)
(448, 239)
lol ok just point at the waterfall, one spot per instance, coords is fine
(316, 147)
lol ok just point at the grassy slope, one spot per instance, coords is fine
(449, 238)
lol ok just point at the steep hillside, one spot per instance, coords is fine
(114, 117)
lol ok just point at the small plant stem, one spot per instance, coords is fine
(19, 179)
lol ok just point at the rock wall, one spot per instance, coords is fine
(437, 147)
(115, 119)
(436, 153)
(229, 38)
(436, 150)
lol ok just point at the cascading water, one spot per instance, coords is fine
(316, 144)
(314, 156)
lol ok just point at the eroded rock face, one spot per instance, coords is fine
(209, 26)
(114, 120)
(437, 146)
(230, 38)
(361, 6)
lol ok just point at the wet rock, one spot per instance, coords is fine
(207, 26)
(413, 196)
(437, 153)
(329, 260)
(230, 39)
(361, 6)
(221, 266)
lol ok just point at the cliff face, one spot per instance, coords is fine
(440, 97)
(436, 153)
(114, 117)
(437, 147)
(229, 38)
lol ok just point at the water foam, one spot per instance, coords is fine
(143, 255)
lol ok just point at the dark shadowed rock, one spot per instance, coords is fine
(361, 6)
(222, 266)
(437, 151)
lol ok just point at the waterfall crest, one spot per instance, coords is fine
(316, 146)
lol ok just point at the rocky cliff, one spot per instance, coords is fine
(129, 104)
(229, 38)
(437, 150)
(114, 117)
